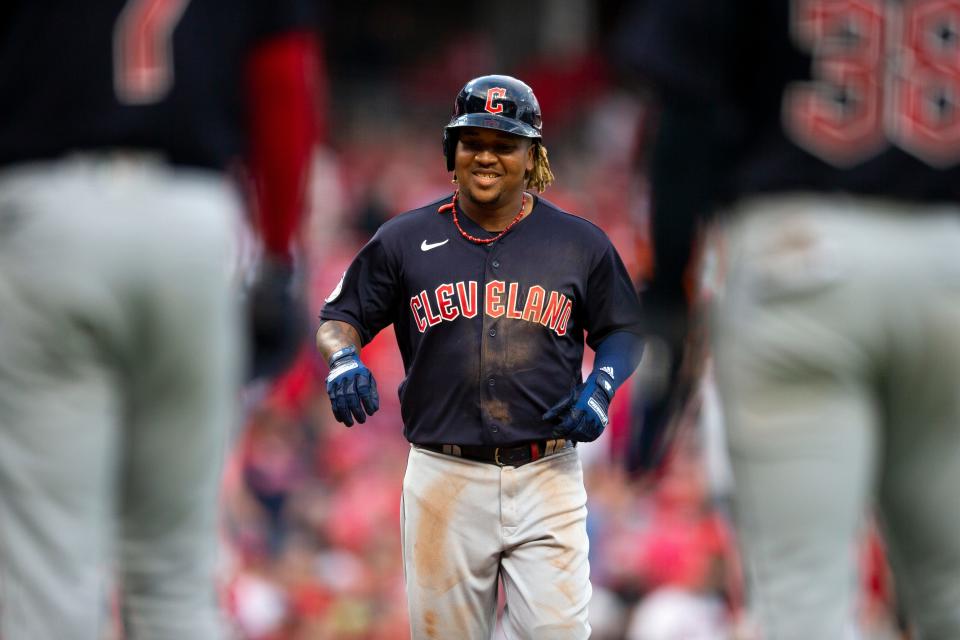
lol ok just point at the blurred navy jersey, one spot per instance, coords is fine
(163, 75)
(815, 95)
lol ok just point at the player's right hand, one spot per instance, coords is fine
(351, 387)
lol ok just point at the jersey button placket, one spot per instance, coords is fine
(493, 349)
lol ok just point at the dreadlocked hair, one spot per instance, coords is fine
(540, 177)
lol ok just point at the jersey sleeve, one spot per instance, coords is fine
(367, 296)
(612, 303)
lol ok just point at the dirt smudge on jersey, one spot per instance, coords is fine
(431, 557)
(467, 356)
(498, 410)
(524, 352)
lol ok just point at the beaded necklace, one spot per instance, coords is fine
(452, 206)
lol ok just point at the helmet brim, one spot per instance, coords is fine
(492, 121)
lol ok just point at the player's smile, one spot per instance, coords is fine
(486, 178)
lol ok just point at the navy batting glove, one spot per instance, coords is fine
(351, 387)
(583, 414)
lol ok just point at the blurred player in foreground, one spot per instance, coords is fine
(491, 290)
(119, 322)
(828, 132)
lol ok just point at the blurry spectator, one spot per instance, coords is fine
(272, 468)
(119, 322)
(677, 614)
(256, 604)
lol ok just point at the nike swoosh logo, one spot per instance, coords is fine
(426, 246)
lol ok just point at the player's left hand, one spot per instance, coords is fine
(584, 413)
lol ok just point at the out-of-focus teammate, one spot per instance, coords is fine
(828, 131)
(119, 326)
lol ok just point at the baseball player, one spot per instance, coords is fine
(828, 133)
(119, 324)
(491, 291)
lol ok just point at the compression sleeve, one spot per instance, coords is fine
(618, 355)
(282, 80)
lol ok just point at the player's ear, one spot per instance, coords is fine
(531, 155)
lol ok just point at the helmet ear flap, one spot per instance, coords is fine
(449, 147)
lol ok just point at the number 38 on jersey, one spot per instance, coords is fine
(884, 73)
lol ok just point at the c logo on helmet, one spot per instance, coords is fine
(495, 93)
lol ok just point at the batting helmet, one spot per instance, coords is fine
(493, 102)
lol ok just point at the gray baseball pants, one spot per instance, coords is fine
(466, 523)
(118, 371)
(837, 347)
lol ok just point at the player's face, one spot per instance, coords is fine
(491, 166)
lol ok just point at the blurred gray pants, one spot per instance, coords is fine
(117, 379)
(837, 346)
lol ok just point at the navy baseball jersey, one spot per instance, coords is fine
(824, 95)
(491, 335)
(115, 61)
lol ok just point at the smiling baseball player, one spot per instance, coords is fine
(491, 291)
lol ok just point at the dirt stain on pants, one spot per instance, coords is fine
(431, 557)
